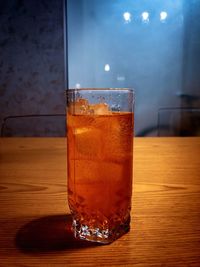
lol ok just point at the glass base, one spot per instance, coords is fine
(104, 236)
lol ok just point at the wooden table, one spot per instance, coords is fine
(34, 220)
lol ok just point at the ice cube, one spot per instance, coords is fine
(81, 106)
(99, 109)
(87, 142)
(81, 130)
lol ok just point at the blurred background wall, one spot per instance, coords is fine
(152, 46)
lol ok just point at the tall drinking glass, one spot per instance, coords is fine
(100, 125)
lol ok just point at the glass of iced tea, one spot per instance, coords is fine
(100, 126)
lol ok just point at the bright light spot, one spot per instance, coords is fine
(121, 78)
(127, 17)
(163, 16)
(77, 86)
(145, 16)
(107, 67)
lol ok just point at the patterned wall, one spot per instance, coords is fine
(32, 60)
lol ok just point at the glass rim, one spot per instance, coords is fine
(125, 89)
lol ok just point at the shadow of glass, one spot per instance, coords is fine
(50, 233)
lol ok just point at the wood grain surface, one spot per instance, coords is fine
(35, 225)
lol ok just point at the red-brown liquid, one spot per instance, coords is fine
(100, 158)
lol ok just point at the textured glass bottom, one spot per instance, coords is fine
(104, 236)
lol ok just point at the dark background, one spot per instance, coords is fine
(32, 59)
